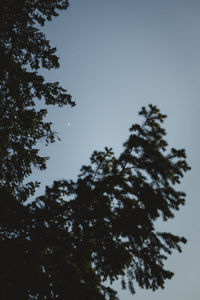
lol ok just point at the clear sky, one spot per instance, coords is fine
(117, 56)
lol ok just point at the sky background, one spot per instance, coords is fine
(115, 57)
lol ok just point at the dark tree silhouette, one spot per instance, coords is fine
(67, 243)
(23, 51)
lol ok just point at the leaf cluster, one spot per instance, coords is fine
(24, 49)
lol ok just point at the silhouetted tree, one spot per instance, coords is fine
(23, 51)
(80, 234)
(68, 242)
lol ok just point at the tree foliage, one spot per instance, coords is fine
(80, 234)
(23, 51)
(101, 227)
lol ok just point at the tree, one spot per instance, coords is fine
(68, 242)
(100, 227)
(24, 50)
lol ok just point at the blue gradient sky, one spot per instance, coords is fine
(115, 57)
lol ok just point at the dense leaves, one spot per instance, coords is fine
(101, 227)
(116, 201)
(23, 50)
(70, 242)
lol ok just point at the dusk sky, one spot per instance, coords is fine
(115, 57)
